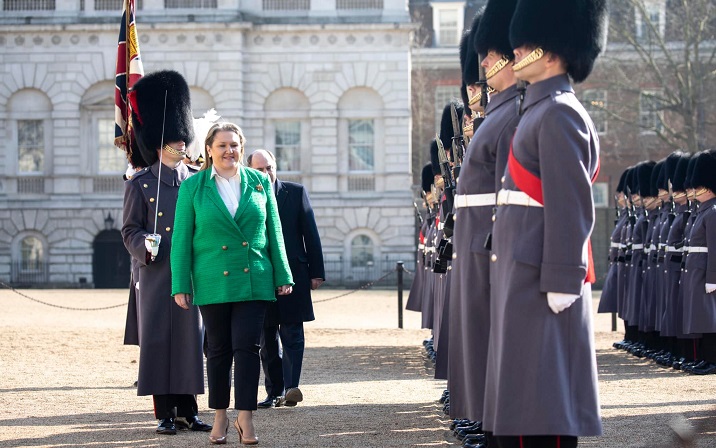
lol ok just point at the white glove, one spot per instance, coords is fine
(559, 302)
(151, 242)
(710, 287)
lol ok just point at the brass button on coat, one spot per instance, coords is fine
(246, 269)
(226, 273)
(493, 257)
(146, 186)
(160, 214)
(168, 229)
(224, 247)
(151, 199)
(244, 244)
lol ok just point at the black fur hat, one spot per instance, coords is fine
(643, 174)
(573, 29)
(434, 160)
(427, 177)
(621, 186)
(471, 65)
(656, 178)
(680, 173)
(667, 174)
(446, 129)
(494, 30)
(688, 180)
(147, 98)
(705, 170)
(463, 95)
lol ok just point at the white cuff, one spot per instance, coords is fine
(710, 287)
(559, 302)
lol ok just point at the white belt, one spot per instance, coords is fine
(637, 246)
(674, 249)
(614, 245)
(441, 225)
(512, 197)
(475, 200)
(696, 249)
(429, 249)
(662, 245)
(649, 249)
(421, 246)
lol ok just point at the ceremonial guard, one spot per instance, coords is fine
(699, 276)
(415, 297)
(480, 178)
(171, 367)
(646, 299)
(541, 380)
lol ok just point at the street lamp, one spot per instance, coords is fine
(109, 222)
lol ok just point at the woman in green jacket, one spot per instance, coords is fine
(228, 258)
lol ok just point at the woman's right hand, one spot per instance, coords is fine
(183, 300)
(285, 290)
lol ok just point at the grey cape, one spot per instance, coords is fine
(699, 269)
(541, 367)
(170, 338)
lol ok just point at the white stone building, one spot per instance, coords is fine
(325, 84)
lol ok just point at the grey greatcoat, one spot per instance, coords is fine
(415, 298)
(170, 338)
(624, 266)
(429, 280)
(541, 367)
(660, 274)
(610, 290)
(699, 269)
(647, 294)
(469, 327)
(632, 302)
(671, 324)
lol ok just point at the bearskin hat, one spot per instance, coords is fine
(689, 180)
(573, 29)
(621, 186)
(469, 63)
(494, 30)
(446, 129)
(434, 159)
(427, 177)
(643, 175)
(680, 173)
(667, 174)
(148, 114)
(704, 170)
(656, 178)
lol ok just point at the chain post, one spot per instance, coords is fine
(399, 268)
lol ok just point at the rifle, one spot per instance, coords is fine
(417, 212)
(458, 142)
(672, 204)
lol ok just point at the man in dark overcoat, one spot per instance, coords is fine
(285, 317)
(171, 367)
(541, 376)
(480, 178)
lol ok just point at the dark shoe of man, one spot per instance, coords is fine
(271, 401)
(192, 424)
(293, 396)
(166, 426)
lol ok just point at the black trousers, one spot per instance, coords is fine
(536, 441)
(282, 371)
(233, 334)
(175, 405)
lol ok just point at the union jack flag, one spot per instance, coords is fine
(129, 70)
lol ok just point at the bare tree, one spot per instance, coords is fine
(662, 58)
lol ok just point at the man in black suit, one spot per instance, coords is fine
(285, 317)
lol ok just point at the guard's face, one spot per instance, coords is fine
(177, 152)
(225, 151)
(533, 70)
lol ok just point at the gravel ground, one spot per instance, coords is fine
(66, 381)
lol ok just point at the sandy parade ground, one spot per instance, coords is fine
(67, 381)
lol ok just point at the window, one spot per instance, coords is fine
(31, 254)
(28, 5)
(361, 251)
(30, 146)
(288, 145)
(443, 95)
(190, 4)
(111, 159)
(595, 101)
(600, 194)
(448, 23)
(360, 145)
(286, 5)
(359, 4)
(651, 113)
(652, 16)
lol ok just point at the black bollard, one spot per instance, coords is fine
(614, 321)
(399, 268)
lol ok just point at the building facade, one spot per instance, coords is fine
(325, 84)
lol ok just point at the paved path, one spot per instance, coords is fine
(65, 380)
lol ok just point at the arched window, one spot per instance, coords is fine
(31, 254)
(288, 130)
(30, 113)
(362, 251)
(97, 120)
(29, 263)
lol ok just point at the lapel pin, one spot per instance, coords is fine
(259, 187)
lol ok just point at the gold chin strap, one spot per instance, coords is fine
(478, 96)
(536, 55)
(679, 195)
(467, 128)
(701, 191)
(173, 151)
(499, 65)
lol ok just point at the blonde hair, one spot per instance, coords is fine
(211, 135)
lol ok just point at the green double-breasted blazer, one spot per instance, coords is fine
(221, 258)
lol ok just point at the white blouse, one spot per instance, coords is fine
(229, 189)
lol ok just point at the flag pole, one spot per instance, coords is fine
(161, 152)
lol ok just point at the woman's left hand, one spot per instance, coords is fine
(183, 300)
(285, 290)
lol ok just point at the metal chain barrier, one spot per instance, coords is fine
(367, 285)
(407, 271)
(59, 306)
